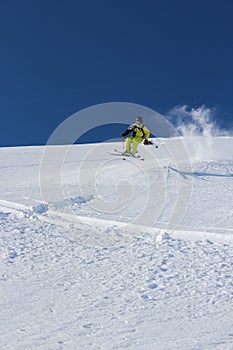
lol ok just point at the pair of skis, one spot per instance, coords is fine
(125, 155)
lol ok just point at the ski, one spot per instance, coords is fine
(126, 155)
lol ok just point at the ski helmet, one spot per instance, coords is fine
(139, 120)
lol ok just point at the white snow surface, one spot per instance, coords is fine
(97, 252)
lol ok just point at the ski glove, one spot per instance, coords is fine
(146, 142)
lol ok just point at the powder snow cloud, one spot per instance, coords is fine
(199, 128)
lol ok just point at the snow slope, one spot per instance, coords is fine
(103, 253)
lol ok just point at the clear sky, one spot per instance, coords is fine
(59, 56)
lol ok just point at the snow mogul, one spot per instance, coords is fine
(140, 132)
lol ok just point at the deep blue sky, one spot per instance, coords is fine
(58, 57)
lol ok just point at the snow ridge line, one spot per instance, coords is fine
(67, 219)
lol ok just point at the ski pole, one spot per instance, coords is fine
(123, 141)
(156, 145)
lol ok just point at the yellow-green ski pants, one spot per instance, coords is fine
(131, 144)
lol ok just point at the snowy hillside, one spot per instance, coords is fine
(98, 252)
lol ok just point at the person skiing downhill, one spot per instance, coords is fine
(140, 132)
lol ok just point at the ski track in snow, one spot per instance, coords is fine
(62, 290)
(152, 294)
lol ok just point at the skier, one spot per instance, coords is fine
(140, 132)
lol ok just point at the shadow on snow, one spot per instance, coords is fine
(198, 173)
